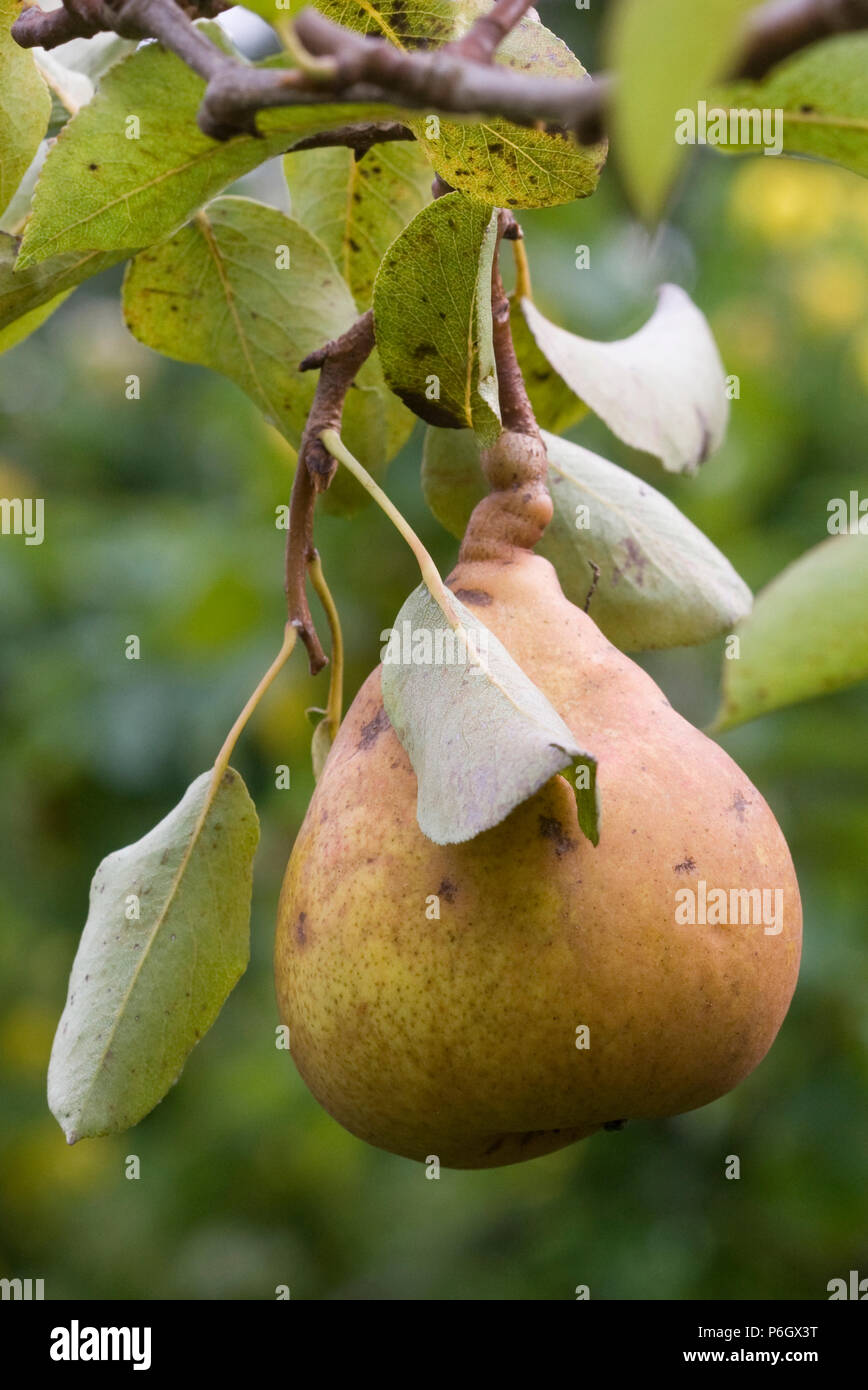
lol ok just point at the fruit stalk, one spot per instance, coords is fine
(518, 508)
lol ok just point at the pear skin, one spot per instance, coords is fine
(462, 1036)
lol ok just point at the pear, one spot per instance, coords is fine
(562, 988)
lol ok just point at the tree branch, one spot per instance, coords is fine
(457, 79)
(339, 361)
(783, 27)
(360, 137)
(515, 408)
(486, 33)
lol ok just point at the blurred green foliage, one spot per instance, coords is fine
(160, 522)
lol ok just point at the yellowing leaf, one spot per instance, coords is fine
(358, 207)
(24, 292)
(25, 106)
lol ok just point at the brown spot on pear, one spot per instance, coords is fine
(467, 1046)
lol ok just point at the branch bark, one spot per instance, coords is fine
(487, 33)
(338, 361)
(458, 79)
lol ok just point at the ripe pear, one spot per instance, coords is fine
(557, 992)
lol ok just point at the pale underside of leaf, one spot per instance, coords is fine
(165, 941)
(480, 736)
(662, 390)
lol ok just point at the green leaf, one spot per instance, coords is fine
(480, 735)
(320, 747)
(166, 940)
(432, 315)
(663, 390)
(358, 207)
(661, 581)
(501, 164)
(807, 635)
(101, 191)
(823, 93)
(23, 292)
(25, 106)
(507, 165)
(217, 293)
(664, 57)
(22, 327)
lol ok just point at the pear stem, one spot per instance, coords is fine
(523, 288)
(332, 441)
(221, 762)
(334, 705)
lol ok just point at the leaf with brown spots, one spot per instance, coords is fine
(432, 316)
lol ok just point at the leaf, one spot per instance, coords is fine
(663, 390)
(358, 207)
(70, 88)
(22, 327)
(509, 165)
(23, 292)
(499, 163)
(94, 56)
(101, 191)
(807, 635)
(25, 106)
(320, 747)
(664, 57)
(823, 94)
(661, 581)
(480, 735)
(144, 990)
(432, 316)
(216, 294)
